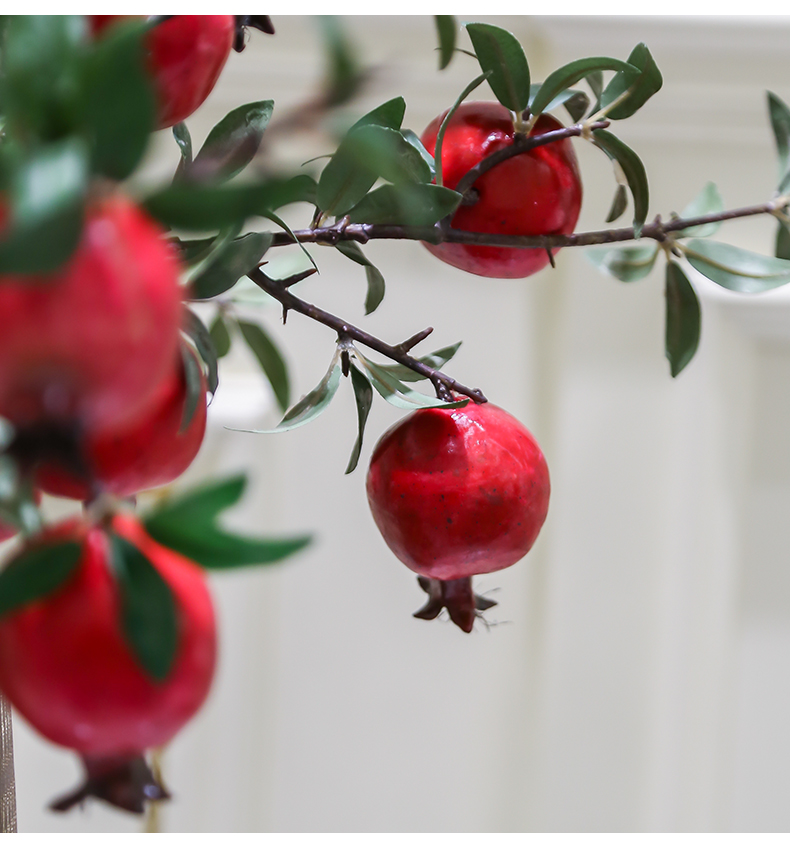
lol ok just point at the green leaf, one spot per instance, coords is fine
(737, 269)
(779, 114)
(220, 335)
(595, 82)
(633, 170)
(343, 73)
(436, 359)
(570, 74)
(36, 573)
(270, 360)
(363, 394)
(398, 394)
(782, 242)
(376, 284)
(627, 264)
(119, 109)
(500, 52)
(47, 196)
(286, 227)
(194, 386)
(406, 204)
(148, 609)
(344, 181)
(411, 137)
(232, 143)
(233, 261)
(708, 201)
(574, 100)
(310, 406)
(446, 31)
(642, 84)
(619, 204)
(199, 506)
(184, 141)
(204, 343)
(205, 208)
(389, 114)
(683, 321)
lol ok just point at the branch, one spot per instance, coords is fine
(279, 291)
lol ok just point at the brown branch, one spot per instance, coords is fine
(279, 291)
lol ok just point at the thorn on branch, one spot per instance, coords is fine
(551, 257)
(412, 342)
(345, 362)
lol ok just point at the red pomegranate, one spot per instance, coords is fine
(67, 667)
(536, 192)
(457, 493)
(146, 453)
(91, 342)
(186, 56)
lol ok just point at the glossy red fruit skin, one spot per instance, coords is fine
(91, 342)
(146, 453)
(458, 492)
(66, 666)
(537, 192)
(186, 56)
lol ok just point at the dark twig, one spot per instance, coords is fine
(279, 291)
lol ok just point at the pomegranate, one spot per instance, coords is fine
(457, 493)
(91, 342)
(67, 667)
(536, 192)
(145, 453)
(186, 56)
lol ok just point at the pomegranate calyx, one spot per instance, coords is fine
(457, 596)
(127, 783)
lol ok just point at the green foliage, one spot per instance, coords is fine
(500, 54)
(629, 263)
(436, 359)
(270, 360)
(363, 395)
(194, 387)
(406, 204)
(222, 262)
(446, 31)
(640, 84)
(683, 319)
(569, 75)
(343, 75)
(37, 572)
(779, 113)
(200, 336)
(376, 285)
(633, 170)
(220, 335)
(707, 202)
(737, 269)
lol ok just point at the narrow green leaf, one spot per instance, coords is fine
(376, 286)
(626, 264)
(286, 227)
(641, 86)
(234, 260)
(194, 387)
(448, 117)
(310, 406)
(220, 335)
(119, 108)
(405, 204)
(232, 143)
(737, 269)
(398, 394)
(48, 197)
(270, 360)
(184, 141)
(344, 181)
(574, 100)
(782, 242)
(446, 30)
(388, 114)
(363, 394)
(619, 204)
(148, 609)
(500, 52)
(683, 319)
(436, 359)
(595, 82)
(708, 201)
(411, 137)
(201, 337)
(204, 208)
(36, 573)
(200, 506)
(779, 114)
(343, 75)
(633, 170)
(570, 74)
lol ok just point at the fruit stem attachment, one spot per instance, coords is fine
(457, 595)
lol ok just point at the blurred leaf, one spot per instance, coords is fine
(363, 394)
(619, 204)
(435, 359)
(270, 360)
(633, 170)
(389, 114)
(199, 506)
(446, 30)
(47, 197)
(204, 208)
(234, 260)
(782, 242)
(627, 264)
(204, 343)
(737, 269)
(343, 73)
(148, 609)
(500, 52)
(220, 335)
(570, 74)
(405, 204)
(119, 109)
(643, 84)
(683, 319)
(194, 386)
(36, 573)
(232, 143)
(779, 114)
(184, 141)
(708, 201)
(398, 394)
(375, 279)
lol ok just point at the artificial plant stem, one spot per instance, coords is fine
(7, 785)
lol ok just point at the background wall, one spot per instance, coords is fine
(637, 678)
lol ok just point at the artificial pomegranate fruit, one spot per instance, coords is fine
(536, 192)
(457, 493)
(67, 666)
(150, 451)
(186, 55)
(91, 343)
